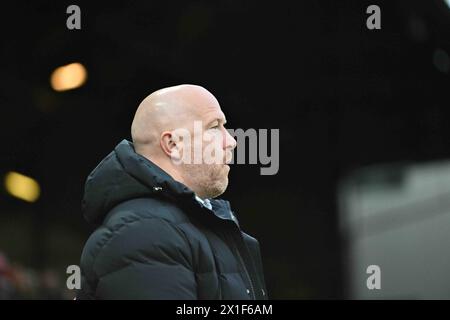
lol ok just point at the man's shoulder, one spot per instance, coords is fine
(142, 209)
(134, 231)
(136, 221)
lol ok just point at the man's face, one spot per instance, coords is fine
(206, 155)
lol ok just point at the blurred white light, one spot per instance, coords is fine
(447, 2)
(68, 77)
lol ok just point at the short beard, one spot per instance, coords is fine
(207, 181)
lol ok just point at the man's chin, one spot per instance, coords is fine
(219, 188)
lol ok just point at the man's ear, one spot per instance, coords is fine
(169, 146)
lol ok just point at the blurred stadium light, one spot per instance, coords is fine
(68, 77)
(22, 187)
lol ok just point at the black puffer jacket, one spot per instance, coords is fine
(156, 241)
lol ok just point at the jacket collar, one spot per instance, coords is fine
(125, 174)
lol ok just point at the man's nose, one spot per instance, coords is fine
(229, 142)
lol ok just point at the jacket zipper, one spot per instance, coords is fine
(246, 273)
(241, 260)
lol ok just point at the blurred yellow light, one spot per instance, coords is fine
(68, 77)
(22, 187)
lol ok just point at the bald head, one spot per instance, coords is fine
(157, 122)
(166, 110)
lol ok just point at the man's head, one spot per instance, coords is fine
(181, 129)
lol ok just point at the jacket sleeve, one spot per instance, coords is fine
(148, 258)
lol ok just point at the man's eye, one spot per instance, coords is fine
(215, 127)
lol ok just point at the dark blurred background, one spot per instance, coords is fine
(343, 96)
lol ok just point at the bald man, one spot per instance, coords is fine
(161, 231)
